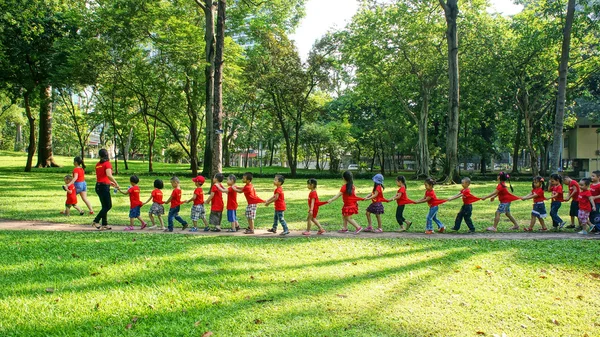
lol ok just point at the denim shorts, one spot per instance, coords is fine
(80, 187)
(504, 208)
(539, 210)
(134, 212)
(231, 215)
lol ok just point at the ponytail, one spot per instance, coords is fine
(349, 182)
(539, 179)
(79, 162)
(430, 181)
(503, 176)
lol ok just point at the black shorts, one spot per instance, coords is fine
(574, 208)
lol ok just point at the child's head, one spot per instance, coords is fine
(279, 180)
(503, 177)
(378, 181)
(231, 180)
(538, 182)
(68, 178)
(465, 182)
(429, 182)
(585, 183)
(174, 181)
(247, 177)
(556, 179)
(567, 179)
(134, 180)
(77, 161)
(595, 176)
(158, 184)
(400, 181)
(218, 178)
(347, 175)
(311, 184)
(199, 181)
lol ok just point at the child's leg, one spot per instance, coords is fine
(496, 219)
(78, 209)
(250, 224)
(369, 223)
(151, 216)
(459, 218)
(378, 217)
(543, 223)
(353, 222)
(195, 223)
(429, 222)
(160, 219)
(141, 221)
(131, 220)
(345, 223)
(532, 222)
(317, 223)
(400, 216)
(467, 216)
(67, 210)
(170, 217)
(281, 219)
(554, 208)
(308, 222)
(512, 219)
(437, 221)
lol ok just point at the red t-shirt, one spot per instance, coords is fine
(198, 196)
(403, 200)
(558, 189)
(539, 194)
(280, 201)
(433, 200)
(176, 198)
(71, 197)
(134, 196)
(584, 201)
(313, 195)
(232, 204)
(504, 196)
(80, 174)
(250, 194)
(349, 200)
(467, 197)
(595, 189)
(217, 199)
(157, 196)
(380, 197)
(574, 186)
(101, 168)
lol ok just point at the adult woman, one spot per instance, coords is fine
(104, 180)
(79, 182)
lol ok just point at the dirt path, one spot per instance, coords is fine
(49, 226)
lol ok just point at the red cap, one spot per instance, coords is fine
(199, 179)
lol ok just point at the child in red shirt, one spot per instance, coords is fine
(71, 197)
(376, 206)
(348, 194)
(556, 189)
(433, 203)
(539, 208)
(134, 202)
(573, 196)
(216, 200)
(78, 180)
(198, 212)
(402, 200)
(279, 200)
(251, 198)
(232, 204)
(313, 207)
(586, 205)
(467, 208)
(505, 198)
(157, 209)
(175, 200)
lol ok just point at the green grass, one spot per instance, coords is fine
(109, 284)
(38, 196)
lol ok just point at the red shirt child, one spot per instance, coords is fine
(157, 196)
(584, 201)
(313, 196)
(250, 194)
(433, 200)
(539, 195)
(232, 204)
(558, 189)
(467, 197)
(504, 196)
(403, 200)
(217, 204)
(280, 201)
(176, 198)
(379, 197)
(198, 196)
(71, 195)
(134, 196)
(574, 186)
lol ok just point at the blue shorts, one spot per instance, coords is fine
(539, 210)
(231, 215)
(504, 208)
(80, 187)
(134, 212)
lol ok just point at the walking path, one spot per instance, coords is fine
(332, 232)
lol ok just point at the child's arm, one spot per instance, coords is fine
(312, 206)
(271, 199)
(491, 195)
(372, 195)
(193, 197)
(571, 194)
(147, 201)
(422, 200)
(75, 176)
(339, 194)
(126, 192)
(593, 203)
(221, 188)
(210, 197)
(396, 197)
(459, 195)
(529, 196)
(237, 189)
(554, 195)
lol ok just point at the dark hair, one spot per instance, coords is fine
(159, 184)
(68, 177)
(586, 181)
(557, 177)
(248, 176)
(401, 179)
(232, 177)
(597, 173)
(375, 186)
(79, 162)
(103, 154)
(349, 182)
(503, 176)
(280, 178)
(134, 179)
(312, 181)
(539, 179)
(219, 177)
(430, 181)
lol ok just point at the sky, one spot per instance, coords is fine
(323, 15)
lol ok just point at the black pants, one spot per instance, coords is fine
(103, 191)
(400, 215)
(465, 213)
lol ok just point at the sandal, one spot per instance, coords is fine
(231, 230)
(97, 225)
(320, 232)
(249, 231)
(306, 233)
(343, 231)
(514, 228)
(527, 229)
(408, 225)
(543, 230)
(215, 230)
(105, 228)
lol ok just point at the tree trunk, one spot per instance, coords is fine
(18, 137)
(422, 148)
(517, 147)
(217, 151)
(529, 144)
(563, 70)
(272, 149)
(31, 147)
(194, 130)
(209, 72)
(45, 158)
(128, 144)
(451, 168)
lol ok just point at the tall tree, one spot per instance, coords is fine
(217, 135)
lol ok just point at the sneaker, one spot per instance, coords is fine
(527, 229)
(168, 230)
(570, 226)
(408, 225)
(378, 230)
(307, 233)
(284, 232)
(215, 230)
(343, 231)
(562, 225)
(358, 230)
(194, 229)
(321, 232)
(272, 230)
(442, 230)
(152, 227)
(428, 232)
(207, 229)
(369, 229)
(249, 231)
(583, 232)
(578, 228)
(514, 228)
(184, 226)
(231, 230)
(143, 225)
(128, 228)
(491, 229)
(237, 228)
(91, 212)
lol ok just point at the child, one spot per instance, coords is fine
(313, 207)
(279, 200)
(216, 200)
(433, 203)
(252, 199)
(348, 194)
(232, 204)
(157, 209)
(402, 200)
(556, 189)
(586, 205)
(376, 206)
(467, 208)
(78, 180)
(505, 198)
(71, 197)
(134, 202)
(175, 200)
(539, 208)
(198, 211)
(595, 190)
(573, 196)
